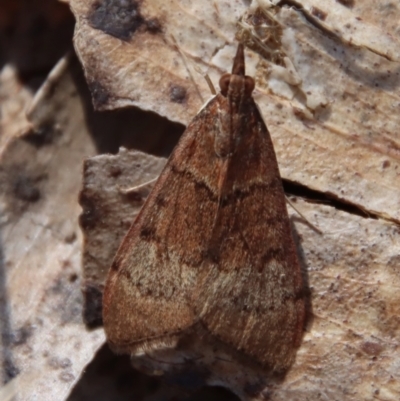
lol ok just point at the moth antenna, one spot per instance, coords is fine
(314, 227)
(129, 190)
(210, 84)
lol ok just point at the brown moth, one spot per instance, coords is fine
(211, 257)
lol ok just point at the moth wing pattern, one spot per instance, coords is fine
(150, 290)
(250, 297)
(212, 246)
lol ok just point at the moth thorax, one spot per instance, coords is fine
(230, 132)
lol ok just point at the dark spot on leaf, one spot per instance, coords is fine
(9, 370)
(59, 363)
(66, 377)
(153, 25)
(316, 12)
(21, 335)
(25, 189)
(73, 277)
(89, 216)
(121, 18)
(177, 94)
(70, 238)
(118, 18)
(371, 348)
(100, 95)
(41, 136)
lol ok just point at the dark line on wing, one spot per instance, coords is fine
(199, 184)
(276, 253)
(241, 194)
(238, 194)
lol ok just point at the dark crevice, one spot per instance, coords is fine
(329, 199)
(129, 127)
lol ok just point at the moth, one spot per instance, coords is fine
(211, 258)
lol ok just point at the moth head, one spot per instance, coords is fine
(237, 84)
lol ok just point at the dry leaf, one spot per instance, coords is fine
(331, 106)
(14, 100)
(108, 214)
(327, 85)
(350, 348)
(44, 339)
